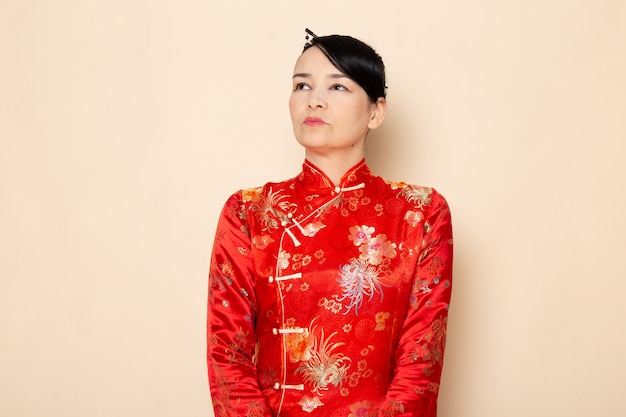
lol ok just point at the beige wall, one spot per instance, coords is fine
(124, 125)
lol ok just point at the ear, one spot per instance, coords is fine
(379, 109)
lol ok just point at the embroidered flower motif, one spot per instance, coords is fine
(250, 194)
(331, 305)
(347, 327)
(311, 229)
(421, 196)
(255, 409)
(324, 367)
(360, 409)
(360, 234)
(394, 407)
(358, 279)
(310, 403)
(354, 379)
(377, 248)
(270, 209)
(380, 320)
(261, 241)
(433, 387)
(396, 185)
(413, 217)
(226, 269)
(298, 346)
(283, 259)
(429, 348)
(353, 203)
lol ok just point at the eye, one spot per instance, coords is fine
(301, 86)
(339, 87)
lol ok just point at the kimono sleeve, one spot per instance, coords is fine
(231, 338)
(419, 356)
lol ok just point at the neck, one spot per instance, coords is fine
(335, 166)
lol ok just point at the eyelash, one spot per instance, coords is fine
(336, 87)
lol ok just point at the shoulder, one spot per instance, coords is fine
(255, 194)
(419, 195)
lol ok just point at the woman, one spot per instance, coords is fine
(329, 292)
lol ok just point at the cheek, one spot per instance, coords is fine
(293, 105)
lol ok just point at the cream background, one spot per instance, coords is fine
(124, 125)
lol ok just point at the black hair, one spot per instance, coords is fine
(356, 60)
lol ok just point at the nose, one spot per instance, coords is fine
(316, 100)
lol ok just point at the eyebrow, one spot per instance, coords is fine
(307, 75)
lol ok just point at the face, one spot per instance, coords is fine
(330, 113)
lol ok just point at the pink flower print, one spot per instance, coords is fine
(360, 234)
(310, 403)
(360, 409)
(413, 217)
(376, 249)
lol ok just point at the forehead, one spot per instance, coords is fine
(313, 60)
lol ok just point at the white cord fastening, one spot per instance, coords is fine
(297, 275)
(299, 387)
(292, 330)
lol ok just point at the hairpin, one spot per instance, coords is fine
(309, 37)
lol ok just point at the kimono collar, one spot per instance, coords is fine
(314, 180)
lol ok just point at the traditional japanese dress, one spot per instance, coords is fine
(329, 300)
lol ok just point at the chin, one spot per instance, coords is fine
(311, 141)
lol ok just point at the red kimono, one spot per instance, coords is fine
(329, 300)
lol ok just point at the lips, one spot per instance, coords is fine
(314, 121)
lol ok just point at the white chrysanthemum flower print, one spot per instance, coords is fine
(359, 279)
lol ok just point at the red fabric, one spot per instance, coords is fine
(329, 301)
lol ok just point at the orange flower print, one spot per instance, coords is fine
(251, 194)
(226, 269)
(380, 320)
(298, 346)
(360, 234)
(360, 409)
